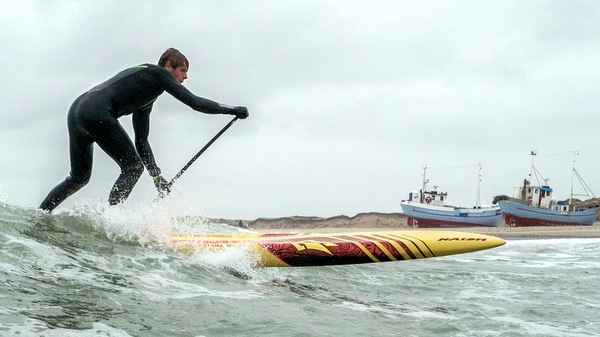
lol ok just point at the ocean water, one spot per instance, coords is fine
(90, 272)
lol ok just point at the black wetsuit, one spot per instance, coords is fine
(93, 118)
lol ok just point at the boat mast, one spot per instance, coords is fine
(575, 153)
(532, 154)
(424, 184)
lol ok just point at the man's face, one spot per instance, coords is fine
(180, 73)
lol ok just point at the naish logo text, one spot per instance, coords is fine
(462, 239)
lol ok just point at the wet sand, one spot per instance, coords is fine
(504, 232)
(541, 232)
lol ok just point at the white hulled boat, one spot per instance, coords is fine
(427, 208)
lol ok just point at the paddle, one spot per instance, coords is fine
(189, 163)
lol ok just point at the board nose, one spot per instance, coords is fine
(449, 243)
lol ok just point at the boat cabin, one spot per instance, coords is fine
(433, 198)
(535, 196)
(541, 197)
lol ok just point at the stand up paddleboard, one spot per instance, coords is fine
(322, 249)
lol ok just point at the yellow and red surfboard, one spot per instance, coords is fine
(321, 249)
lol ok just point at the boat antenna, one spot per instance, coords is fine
(425, 181)
(478, 201)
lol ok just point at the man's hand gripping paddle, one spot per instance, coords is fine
(189, 163)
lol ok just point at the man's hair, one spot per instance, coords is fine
(174, 57)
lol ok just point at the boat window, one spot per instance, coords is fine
(442, 198)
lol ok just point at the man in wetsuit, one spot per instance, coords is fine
(93, 118)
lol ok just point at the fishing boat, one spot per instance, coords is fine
(428, 208)
(535, 205)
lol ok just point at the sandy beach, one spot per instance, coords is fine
(504, 232)
(374, 221)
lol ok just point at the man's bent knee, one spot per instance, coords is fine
(78, 181)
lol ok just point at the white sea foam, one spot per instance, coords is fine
(36, 328)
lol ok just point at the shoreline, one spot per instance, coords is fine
(506, 233)
(374, 221)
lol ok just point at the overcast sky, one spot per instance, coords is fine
(348, 100)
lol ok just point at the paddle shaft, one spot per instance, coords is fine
(189, 163)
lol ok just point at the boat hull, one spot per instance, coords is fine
(521, 215)
(424, 216)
